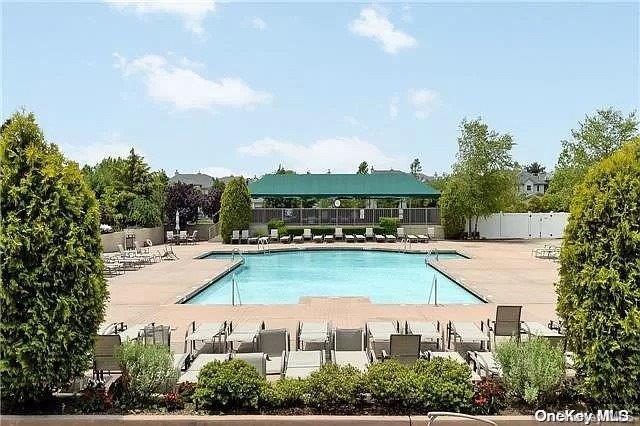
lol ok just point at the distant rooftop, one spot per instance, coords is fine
(383, 184)
(198, 179)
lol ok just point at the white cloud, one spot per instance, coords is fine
(186, 89)
(258, 23)
(340, 155)
(92, 153)
(376, 26)
(423, 101)
(394, 108)
(192, 12)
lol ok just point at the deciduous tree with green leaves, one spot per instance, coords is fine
(596, 137)
(483, 178)
(599, 287)
(52, 289)
(235, 211)
(363, 168)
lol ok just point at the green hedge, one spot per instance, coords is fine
(599, 288)
(235, 208)
(52, 289)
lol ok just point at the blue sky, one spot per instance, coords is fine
(239, 88)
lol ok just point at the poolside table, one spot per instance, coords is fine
(466, 332)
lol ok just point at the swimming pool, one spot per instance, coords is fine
(383, 277)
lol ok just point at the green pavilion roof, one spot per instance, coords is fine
(378, 185)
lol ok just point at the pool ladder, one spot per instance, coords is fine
(233, 254)
(430, 253)
(433, 291)
(265, 246)
(235, 291)
(407, 241)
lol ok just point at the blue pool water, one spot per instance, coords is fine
(383, 277)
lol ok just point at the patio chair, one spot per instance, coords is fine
(361, 238)
(431, 232)
(466, 333)
(380, 238)
(306, 234)
(338, 235)
(368, 233)
(404, 348)
(317, 238)
(313, 335)
(274, 344)
(144, 251)
(209, 334)
(400, 233)
(193, 238)
(507, 322)
(169, 236)
(133, 254)
(378, 335)
(430, 332)
(235, 236)
(257, 360)
(328, 238)
(390, 238)
(105, 355)
(153, 334)
(349, 238)
(485, 364)
(421, 238)
(298, 239)
(183, 236)
(191, 375)
(273, 235)
(285, 239)
(244, 236)
(349, 348)
(299, 364)
(244, 334)
(534, 329)
(131, 331)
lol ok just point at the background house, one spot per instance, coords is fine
(533, 183)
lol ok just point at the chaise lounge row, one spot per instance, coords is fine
(243, 236)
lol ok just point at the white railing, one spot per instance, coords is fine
(347, 216)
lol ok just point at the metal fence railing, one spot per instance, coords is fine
(347, 216)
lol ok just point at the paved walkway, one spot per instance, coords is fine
(502, 272)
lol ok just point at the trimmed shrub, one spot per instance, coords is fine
(146, 370)
(389, 225)
(444, 384)
(599, 287)
(532, 370)
(235, 210)
(52, 289)
(334, 386)
(285, 393)
(392, 385)
(229, 385)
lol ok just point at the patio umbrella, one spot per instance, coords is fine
(177, 221)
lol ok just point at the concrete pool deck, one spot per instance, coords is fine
(503, 272)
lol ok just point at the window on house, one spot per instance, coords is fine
(528, 187)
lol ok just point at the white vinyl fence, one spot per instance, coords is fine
(522, 225)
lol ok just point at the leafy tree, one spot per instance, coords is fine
(483, 175)
(596, 137)
(415, 167)
(599, 287)
(135, 176)
(52, 289)
(185, 198)
(235, 212)
(144, 212)
(363, 168)
(211, 200)
(534, 168)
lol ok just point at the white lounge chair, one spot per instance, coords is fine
(378, 334)
(209, 334)
(273, 235)
(485, 364)
(243, 334)
(349, 349)
(317, 238)
(361, 238)
(328, 238)
(191, 375)
(431, 232)
(466, 333)
(422, 238)
(183, 236)
(299, 364)
(244, 236)
(169, 236)
(285, 239)
(338, 235)
(298, 239)
(313, 335)
(400, 233)
(368, 234)
(349, 238)
(429, 331)
(380, 238)
(235, 236)
(390, 238)
(306, 234)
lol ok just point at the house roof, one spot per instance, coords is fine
(198, 179)
(378, 185)
(537, 178)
